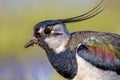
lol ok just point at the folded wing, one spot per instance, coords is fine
(102, 50)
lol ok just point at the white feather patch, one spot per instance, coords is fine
(57, 43)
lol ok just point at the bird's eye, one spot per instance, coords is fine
(47, 31)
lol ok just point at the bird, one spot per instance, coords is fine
(81, 55)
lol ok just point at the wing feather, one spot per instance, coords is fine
(102, 51)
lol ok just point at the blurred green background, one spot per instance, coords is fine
(17, 18)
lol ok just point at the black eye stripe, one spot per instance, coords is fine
(37, 34)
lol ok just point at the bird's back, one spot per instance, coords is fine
(80, 36)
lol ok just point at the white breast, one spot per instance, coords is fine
(87, 71)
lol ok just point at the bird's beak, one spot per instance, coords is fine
(31, 42)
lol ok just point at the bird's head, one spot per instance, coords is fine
(52, 34)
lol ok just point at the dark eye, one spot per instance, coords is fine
(47, 31)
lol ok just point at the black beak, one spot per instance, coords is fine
(31, 42)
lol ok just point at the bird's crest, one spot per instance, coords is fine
(93, 12)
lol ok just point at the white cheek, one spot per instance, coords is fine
(57, 43)
(60, 49)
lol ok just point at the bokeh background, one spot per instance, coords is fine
(17, 18)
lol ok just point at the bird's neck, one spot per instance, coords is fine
(64, 63)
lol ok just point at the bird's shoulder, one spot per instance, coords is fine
(94, 36)
(80, 36)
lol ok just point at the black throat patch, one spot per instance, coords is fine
(65, 63)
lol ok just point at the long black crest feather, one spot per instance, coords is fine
(93, 12)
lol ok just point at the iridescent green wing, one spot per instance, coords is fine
(102, 50)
